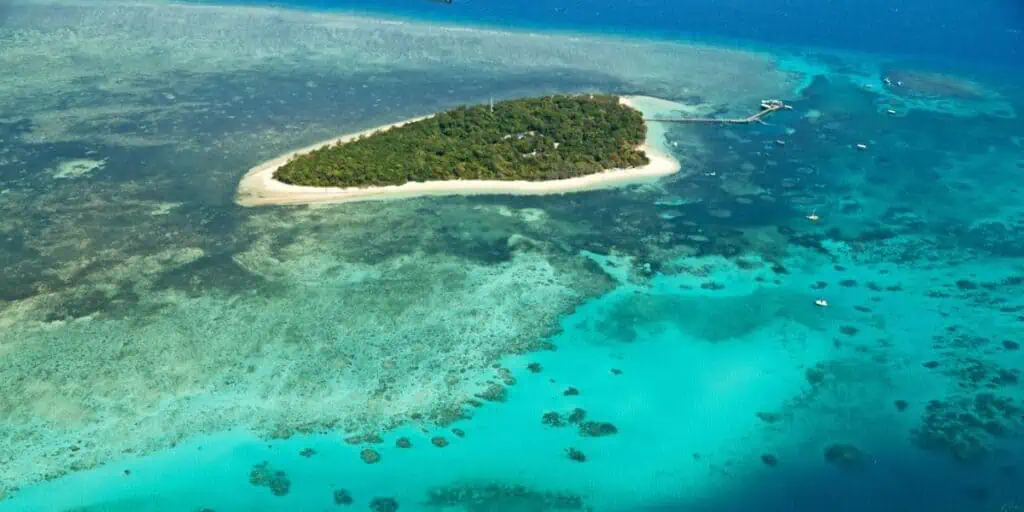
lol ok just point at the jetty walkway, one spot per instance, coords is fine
(767, 107)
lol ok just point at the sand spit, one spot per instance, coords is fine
(258, 187)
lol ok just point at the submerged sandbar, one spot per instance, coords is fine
(262, 186)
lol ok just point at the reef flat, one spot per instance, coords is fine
(142, 310)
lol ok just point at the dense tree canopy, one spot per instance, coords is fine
(532, 139)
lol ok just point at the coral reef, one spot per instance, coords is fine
(494, 393)
(844, 456)
(965, 428)
(364, 439)
(597, 429)
(575, 455)
(552, 419)
(931, 84)
(262, 475)
(342, 497)
(369, 456)
(138, 309)
(576, 416)
(481, 497)
(383, 505)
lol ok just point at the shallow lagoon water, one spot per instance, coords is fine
(159, 342)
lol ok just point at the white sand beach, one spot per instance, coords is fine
(258, 186)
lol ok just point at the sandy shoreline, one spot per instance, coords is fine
(258, 186)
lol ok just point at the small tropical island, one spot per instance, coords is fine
(550, 144)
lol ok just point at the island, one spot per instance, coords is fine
(546, 145)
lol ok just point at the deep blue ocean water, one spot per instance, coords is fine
(134, 288)
(980, 33)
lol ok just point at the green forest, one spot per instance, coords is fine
(533, 139)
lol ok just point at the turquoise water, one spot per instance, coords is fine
(656, 347)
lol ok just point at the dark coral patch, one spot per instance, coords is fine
(551, 419)
(369, 456)
(597, 429)
(747, 264)
(342, 497)
(506, 376)
(963, 427)
(480, 497)
(844, 456)
(447, 414)
(364, 439)
(494, 393)
(577, 415)
(383, 505)
(575, 455)
(262, 475)
(815, 376)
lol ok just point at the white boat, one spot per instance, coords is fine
(821, 303)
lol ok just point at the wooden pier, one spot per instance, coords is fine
(767, 107)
